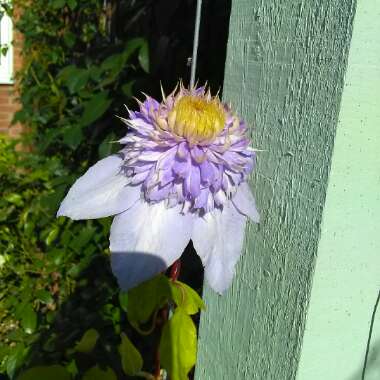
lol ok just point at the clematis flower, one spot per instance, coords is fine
(181, 175)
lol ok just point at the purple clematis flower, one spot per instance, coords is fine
(181, 176)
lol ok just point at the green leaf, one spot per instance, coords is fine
(178, 345)
(74, 78)
(72, 368)
(72, 4)
(113, 63)
(52, 235)
(82, 239)
(96, 373)
(88, 341)
(144, 57)
(29, 319)
(95, 108)
(144, 299)
(44, 296)
(108, 146)
(69, 38)
(123, 300)
(127, 88)
(186, 298)
(131, 46)
(131, 360)
(56, 4)
(72, 136)
(16, 358)
(55, 372)
(15, 199)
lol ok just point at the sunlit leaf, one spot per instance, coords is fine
(44, 296)
(29, 319)
(54, 372)
(52, 235)
(131, 360)
(178, 345)
(15, 359)
(96, 373)
(186, 298)
(14, 198)
(88, 341)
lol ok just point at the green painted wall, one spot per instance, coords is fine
(284, 73)
(347, 277)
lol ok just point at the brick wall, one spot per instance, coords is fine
(8, 95)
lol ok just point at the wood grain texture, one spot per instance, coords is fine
(284, 74)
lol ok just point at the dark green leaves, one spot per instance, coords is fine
(131, 359)
(96, 373)
(55, 372)
(56, 4)
(72, 77)
(144, 56)
(95, 108)
(178, 346)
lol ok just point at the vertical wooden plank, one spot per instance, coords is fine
(284, 74)
(347, 276)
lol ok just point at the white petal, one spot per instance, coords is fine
(102, 191)
(245, 202)
(147, 239)
(218, 239)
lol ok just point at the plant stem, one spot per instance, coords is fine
(175, 270)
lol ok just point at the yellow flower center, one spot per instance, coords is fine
(197, 119)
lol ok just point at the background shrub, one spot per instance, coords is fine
(82, 61)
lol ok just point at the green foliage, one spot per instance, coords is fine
(96, 373)
(61, 313)
(131, 360)
(88, 341)
(178, 346)
(178, 343)
(55, 372)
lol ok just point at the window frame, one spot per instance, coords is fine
(6, 61)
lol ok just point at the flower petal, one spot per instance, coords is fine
(218, 239)
(102, 191)
(245, 202)
(147, 239)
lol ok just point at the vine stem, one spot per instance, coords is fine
(175, 270)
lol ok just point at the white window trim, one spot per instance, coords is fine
(6, 62)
